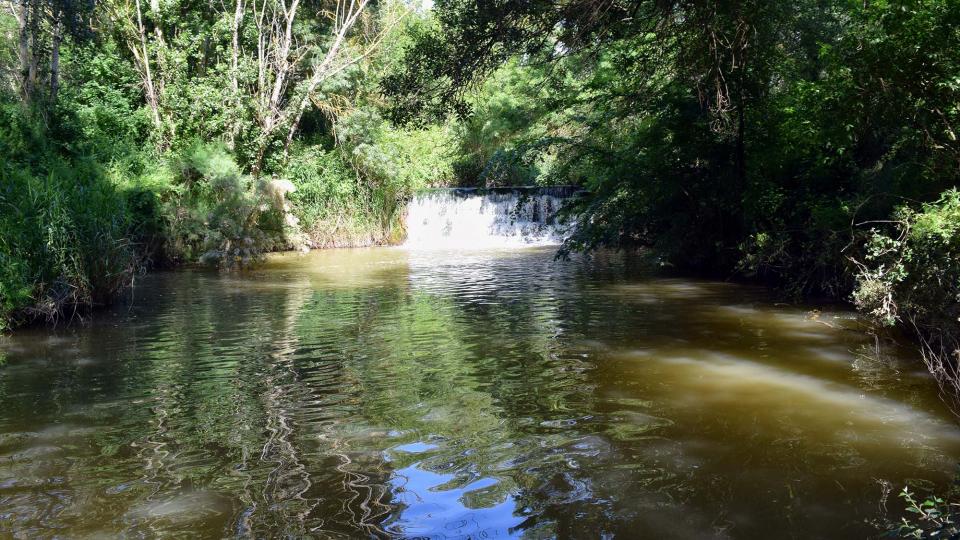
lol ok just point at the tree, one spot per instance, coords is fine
(279, 63)
(42, 26)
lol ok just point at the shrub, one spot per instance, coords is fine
(911, 273)
(934, 517)
(217, 215)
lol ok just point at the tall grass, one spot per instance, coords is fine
(64, 239)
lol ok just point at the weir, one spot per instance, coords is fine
(458, 218)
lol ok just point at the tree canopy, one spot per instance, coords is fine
(780, 141)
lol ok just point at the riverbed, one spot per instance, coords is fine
(471, 394)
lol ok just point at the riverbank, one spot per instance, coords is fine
(84, 234)
(85, 212)
(84, 216)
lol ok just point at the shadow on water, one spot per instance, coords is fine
(386, 392)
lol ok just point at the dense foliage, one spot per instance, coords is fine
(808, 144)
(65, 231)
(733, 137)
(138, 134)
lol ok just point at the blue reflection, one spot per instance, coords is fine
(428, 508)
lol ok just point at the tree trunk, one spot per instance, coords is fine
(34, 54)
(55, 56)
(276, 112)
(148, 87)
(159, 78)
(235, 50)
(155, 15)
(323, 69)
(283, 69)
(272, 114)
(741, 146)
(23, 22)
(235, 69)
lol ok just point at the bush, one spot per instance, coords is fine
(911, 273)
(74, 232)
(353, 194)
(217, 215)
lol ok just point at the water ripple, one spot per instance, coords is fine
(395, 393)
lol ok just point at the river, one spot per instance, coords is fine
(471, 394)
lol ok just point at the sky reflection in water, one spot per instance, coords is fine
(385, 392)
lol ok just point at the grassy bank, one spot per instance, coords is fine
(68, 233)
(135, 136)
(82, 217)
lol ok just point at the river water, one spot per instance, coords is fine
(491, 394)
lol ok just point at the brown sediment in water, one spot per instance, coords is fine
(387, 391)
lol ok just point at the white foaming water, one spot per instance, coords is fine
(471, 218)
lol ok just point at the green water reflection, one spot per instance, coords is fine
(381, 392)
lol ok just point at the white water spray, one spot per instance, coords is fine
(471, 218)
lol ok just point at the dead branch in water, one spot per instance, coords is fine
(940, 351)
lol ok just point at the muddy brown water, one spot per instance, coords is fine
(491, 394)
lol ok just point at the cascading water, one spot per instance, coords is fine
(460, 218)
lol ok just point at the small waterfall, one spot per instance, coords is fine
(459, 218)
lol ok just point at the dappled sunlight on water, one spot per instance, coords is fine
(489, 394)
